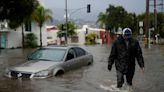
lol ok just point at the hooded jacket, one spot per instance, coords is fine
(123, 56)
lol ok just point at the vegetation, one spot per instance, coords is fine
(71, 29)
(30, 40)
(102, 20)
(160, 23)
(15, 11)
(28, 19)
(90, 39)
(116, 17)
(41, 15)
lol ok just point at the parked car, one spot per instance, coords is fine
(51, 61)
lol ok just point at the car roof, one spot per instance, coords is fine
(59, 46)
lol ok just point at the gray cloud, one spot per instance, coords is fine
(137, 6)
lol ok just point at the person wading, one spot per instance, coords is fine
(124, 52)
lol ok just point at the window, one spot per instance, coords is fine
(28, 26)
(48, 54)
(70, 55)
(80, 52)
(49, 37)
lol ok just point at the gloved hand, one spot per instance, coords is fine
(109, 67)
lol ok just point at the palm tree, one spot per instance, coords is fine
(102, 20)
(71, 29)
(26, 20)
(41, 15)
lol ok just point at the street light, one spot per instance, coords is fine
(76, 10)
(66, 18)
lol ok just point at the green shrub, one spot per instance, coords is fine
(30, 40)
(90, 39)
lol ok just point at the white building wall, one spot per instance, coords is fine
(36, 31)
(53, 34)
(81, 36)
(15, 37)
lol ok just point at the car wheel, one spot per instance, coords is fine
(60, 72)
(89, 63)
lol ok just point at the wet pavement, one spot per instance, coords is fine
(86, 79)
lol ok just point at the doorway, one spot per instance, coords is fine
(3, 40)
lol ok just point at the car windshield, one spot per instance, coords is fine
(48, 54)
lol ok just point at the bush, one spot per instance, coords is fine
(30, 40)
(90, 39)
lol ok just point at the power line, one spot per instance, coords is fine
(162, 5)
(157, 3)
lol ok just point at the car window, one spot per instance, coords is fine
(48, 54)
(70, 55)
(80, 52)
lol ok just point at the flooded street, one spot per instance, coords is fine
(86, 79)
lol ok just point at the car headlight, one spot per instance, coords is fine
(42, 73)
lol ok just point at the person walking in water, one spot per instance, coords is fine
(123, 53)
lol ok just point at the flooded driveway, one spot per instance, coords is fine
(86, 79)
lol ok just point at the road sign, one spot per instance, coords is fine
(141, 24)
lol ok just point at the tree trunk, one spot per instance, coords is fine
(22, 36)
(40, 36)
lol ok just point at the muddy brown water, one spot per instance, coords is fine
(86, 79)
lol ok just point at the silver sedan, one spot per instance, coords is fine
(51, 61)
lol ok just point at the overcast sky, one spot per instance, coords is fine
(97, 6)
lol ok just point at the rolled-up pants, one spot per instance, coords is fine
(129, 77)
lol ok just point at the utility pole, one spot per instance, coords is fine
(147, 23)
(155, 15)
(66, 21)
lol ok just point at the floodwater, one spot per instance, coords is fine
(86, 79)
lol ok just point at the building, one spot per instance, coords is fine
(102, 36)
(10, 38)
(52, 37)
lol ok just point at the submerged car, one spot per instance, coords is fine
(51, 61)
